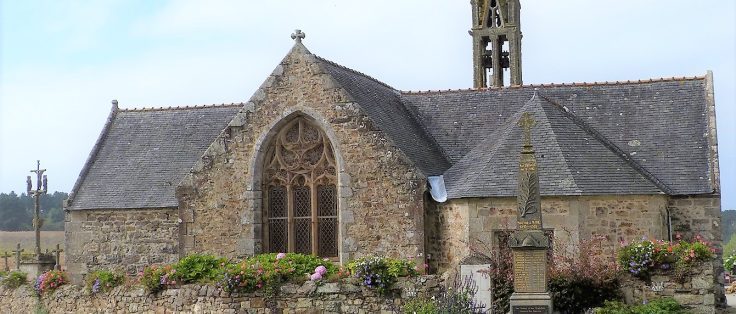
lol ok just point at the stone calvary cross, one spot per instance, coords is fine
(529, 244)
(42, 187)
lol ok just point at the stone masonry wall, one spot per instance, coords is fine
(122, 239)
(343, 297)
(447, 236)
(693, 216)
(379, 191)
(469, 224)
(699, 292)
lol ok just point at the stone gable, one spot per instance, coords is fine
(380, 191)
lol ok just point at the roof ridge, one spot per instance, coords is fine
(610, 145)
(223, 105)
(357, 72)
(546, 119)
(574, 84)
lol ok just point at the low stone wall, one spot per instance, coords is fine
(347, 296)
(700, 290)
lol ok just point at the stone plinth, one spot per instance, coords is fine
(37, 266)
(530, 282)
(530, 303)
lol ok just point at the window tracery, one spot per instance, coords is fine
(300, 184)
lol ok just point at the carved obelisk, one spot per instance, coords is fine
(528, 243)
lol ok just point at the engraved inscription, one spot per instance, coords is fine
(530, 273)
(534, 224)
(530, 309)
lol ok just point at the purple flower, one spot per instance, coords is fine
(280, 255)
(315, 276)
(96, 286)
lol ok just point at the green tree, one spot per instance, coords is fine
(730, 246)
(728, 223)
(17, 211)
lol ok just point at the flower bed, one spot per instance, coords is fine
(267, 272)
(641, 258)
(49, 281)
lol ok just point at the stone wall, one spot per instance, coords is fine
(123, 239)
(693, 216)
(699, 291)
(465, 225)
(343, 297)
(380, 193)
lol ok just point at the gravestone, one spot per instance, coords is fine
(481, 281)
(528, 243)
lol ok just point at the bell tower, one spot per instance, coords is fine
(496, 43)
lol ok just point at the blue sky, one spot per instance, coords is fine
(61, 62)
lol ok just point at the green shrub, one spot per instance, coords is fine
(420, 306)
(574, 293)
(582, 277)
(380, 273)
(14, 279)
(268, 271)
(260, 272)
(202, 268)
(150, 277)
(657, 306)
(103, 281)
(729, 262)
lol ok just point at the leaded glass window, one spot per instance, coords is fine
(301, 192)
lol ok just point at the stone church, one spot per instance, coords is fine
(326, 160)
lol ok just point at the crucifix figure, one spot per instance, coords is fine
(5, 256)
(17, 251)
(41, 188)
(57, 252)
(298, 35)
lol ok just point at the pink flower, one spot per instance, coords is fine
(280, 255)
(321, 270)
(315, 276)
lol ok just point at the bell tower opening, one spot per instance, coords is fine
(496, 35)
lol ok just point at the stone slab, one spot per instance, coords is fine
(482, 282)
(530, 270)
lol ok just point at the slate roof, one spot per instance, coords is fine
(659, 127)
(143, 154)
(571, 160)
(603, 138)
(383, 105)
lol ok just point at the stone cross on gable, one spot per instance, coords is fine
(298, 35)
(5, 256)
(57, 252)
(17, 251)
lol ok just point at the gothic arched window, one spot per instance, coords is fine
(300, 192)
